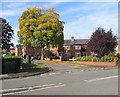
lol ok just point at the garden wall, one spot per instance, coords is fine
(11, 65)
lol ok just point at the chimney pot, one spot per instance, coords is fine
(72, 38)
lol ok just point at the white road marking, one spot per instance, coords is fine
(28, 89)
(42, 74)
(97, 79)
(52, 73)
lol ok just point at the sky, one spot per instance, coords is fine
(81, 18)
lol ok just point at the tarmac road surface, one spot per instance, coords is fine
(65, 80)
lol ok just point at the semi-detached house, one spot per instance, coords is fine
(76, 47)
(72, 47)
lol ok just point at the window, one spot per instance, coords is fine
(78, 47)
(67, 47)
(84, 53)
(77, 54)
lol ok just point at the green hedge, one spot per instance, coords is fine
(107, 59)
(9, 56)
(87, 58)
(119, 59)
(103, 59)
(11, 65)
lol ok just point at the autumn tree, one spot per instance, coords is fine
(7, 35)
(41, 28)
(102, 42)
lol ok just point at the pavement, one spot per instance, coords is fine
(25, 73)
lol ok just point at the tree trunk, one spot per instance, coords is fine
(42, 53)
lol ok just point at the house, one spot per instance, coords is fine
(76, 47)
(21, 50)
(71, 47)
(12, 50)
(118, 47)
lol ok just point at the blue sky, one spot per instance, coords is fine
(81, 18)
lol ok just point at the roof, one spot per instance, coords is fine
(76, 42)
(19, 46)
(2, 20)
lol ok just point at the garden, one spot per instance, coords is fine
(15, 64)
(107, 58)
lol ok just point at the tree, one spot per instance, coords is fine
(102, 42)
(7, 35)
(41, 28)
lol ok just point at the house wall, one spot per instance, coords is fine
(73, 50)
(27, 50)
(119, 46)
(11, 50)
(55, 51)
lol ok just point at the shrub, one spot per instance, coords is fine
(103, 59)
(87, 58)
(112, 54)
(107, 59)
(119, 59)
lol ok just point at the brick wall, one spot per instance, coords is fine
(55, 51)
(73, 50)
(99, 63)
(27, 50)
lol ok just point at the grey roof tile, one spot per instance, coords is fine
(76, 42)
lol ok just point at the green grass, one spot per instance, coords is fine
(63, 62)
(33, 65)
(77, 64)
(9, 56)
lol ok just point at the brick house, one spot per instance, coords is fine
(72, 47)
(76, 47)
(118, 47)
(21, 50)
(12, 50)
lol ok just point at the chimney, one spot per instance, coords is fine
(72, 39)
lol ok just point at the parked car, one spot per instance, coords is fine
(3, 55)
(33, 57)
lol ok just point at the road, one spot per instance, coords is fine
(65, 80)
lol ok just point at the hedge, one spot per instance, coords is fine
(96, 59)
(11, 64)
(9, 56)
(87, 58)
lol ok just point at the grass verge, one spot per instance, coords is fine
(32, 65)
(63, 62)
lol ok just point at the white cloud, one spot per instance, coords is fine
(89, 7)
(85, 26)
(16, 5)
(16, 8)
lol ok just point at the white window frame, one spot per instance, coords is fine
(78, 47)
(67, 47)
(84, 53)
(77, 54)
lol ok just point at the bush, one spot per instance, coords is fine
(112, 54)
(119, 59)
(11, 65)
(107, 59)
(87, 58)
(103, 59)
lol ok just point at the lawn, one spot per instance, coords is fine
(33, 65)
(63, 62)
